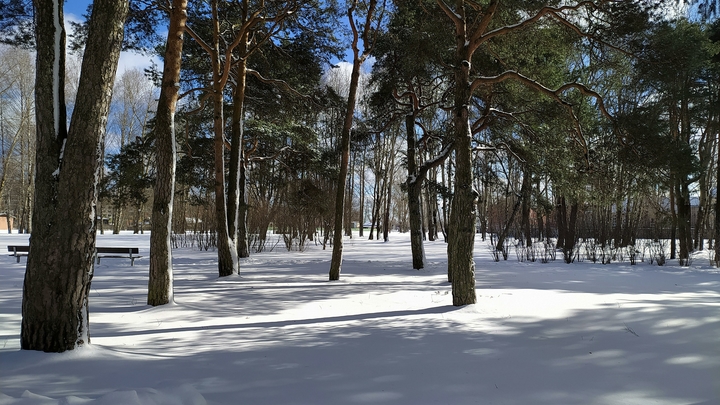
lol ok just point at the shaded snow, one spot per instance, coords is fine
(279, 333)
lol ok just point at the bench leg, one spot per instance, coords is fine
(17, 257)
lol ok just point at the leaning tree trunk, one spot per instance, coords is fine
(358, 59)
(336, 261)
(160, 283)
(60, 262)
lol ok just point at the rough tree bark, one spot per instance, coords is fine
(461, 226)
(160, 283)
(60, 261)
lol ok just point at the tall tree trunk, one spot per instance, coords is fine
(388, 198)
(227, 254)
(349, 197)
(674, 222)
(358, 59)
(526, 194)
(414, 188)
(336, 261)
(375, 202)
(55, 314)
(361, 233)
(461, 232)
(160, 282)
(683, 221)
(717, 207)
(431, 213)
(236, 140)
(243, 246)
(237, 196)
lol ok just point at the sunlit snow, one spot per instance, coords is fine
(280, 333)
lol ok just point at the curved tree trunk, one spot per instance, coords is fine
(336, 261)
(60, 261)
(358, 59)
(160, 282)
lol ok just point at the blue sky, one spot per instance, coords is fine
(76, 7)
(73, 11)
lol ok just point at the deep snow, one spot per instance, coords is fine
(280, 333)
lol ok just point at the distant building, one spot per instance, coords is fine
(4, 222)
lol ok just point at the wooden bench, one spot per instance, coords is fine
(18, 251)
(100, 252)
(117, 253)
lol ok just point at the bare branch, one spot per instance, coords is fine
(457, 19)
(204, 45)
(283, 85)
(531, 20)
(553, 94)
(484, 23)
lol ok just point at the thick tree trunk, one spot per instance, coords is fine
(60, 262)
(461, 234)
(160, 283)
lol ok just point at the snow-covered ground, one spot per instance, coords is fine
(280, 333)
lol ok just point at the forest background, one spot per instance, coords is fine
(558, 124)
